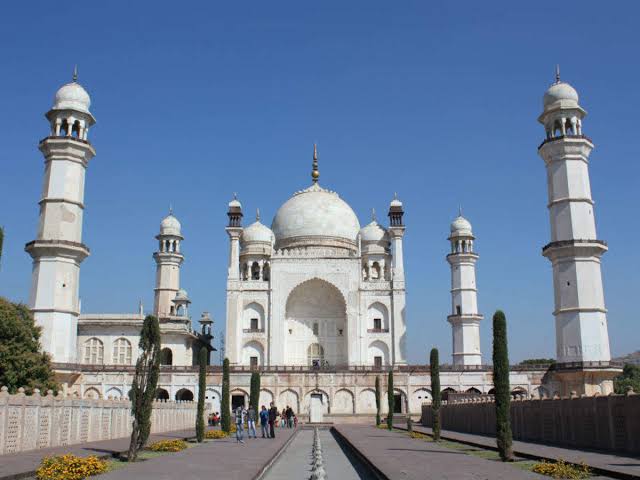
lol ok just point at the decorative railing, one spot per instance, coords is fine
(562, 137)
(378, 330)
(77, 367)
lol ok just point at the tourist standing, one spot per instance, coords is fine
(273, 416)
(283, 417)
(240, 414)
(251, 421)
(264, 422)
(289, 417)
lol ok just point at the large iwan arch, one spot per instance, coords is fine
(316, 313)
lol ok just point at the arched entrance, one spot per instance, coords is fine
(316, 315)
(162, 394)
(184, 395)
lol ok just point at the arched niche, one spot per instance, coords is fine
(316, 313)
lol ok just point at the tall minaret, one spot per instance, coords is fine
(574, 250)
(399, 326)
(168, 261)
(234, 289)
(464, 318)
(58, 250)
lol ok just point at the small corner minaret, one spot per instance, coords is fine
(168, 261)
(399, 326)
(58, 250)
(234, 230)
(396, 231)
(464, 318)
(582, 337)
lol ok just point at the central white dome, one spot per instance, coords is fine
(315, 216)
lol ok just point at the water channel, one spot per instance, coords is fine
(296, 461)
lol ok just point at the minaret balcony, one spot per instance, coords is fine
(65, 137)
(565, 137)
(465, 318)
(57, 248)
(574, 247)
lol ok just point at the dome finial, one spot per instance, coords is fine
(257, 214)
(373, 215)
(557, 73)
(459, 210)
(315, 174)
(74, 78)
(170, 209)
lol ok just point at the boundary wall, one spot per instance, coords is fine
(31, 422)
(609, 423)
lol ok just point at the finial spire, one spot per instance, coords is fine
(373, 214)
(557, 73)
(257, 214)
(395, 195)
(235, 196)
(170, 209)
(74, 78)
(315, 173)
(459, 210)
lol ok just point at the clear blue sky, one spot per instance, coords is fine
(197, 100)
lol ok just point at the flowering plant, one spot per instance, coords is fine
(70, 467)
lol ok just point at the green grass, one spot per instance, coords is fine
(487, 454)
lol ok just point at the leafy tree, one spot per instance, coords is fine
(390, 401)
(630, 377)
(202, 388)
(22, 361)
(501, 384)
(145, 382)
(436, 394)
(225, 409)
(254, 392)
(378, 400)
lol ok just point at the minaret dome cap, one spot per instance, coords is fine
(560, 94)
(72, 96)
(461, 226)
(170, 226)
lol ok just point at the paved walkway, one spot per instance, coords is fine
(620, 466)
(223, 459)
(295, 462)
(398, 456)
(24, 464)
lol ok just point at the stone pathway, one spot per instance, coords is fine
(397, 456)
(218, 459)
(608, 464)
(295, 462)
(23, 465)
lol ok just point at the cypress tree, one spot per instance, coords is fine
(145, 382)
(436, 394)
(202, 387)
(254, 392)
(378, 422)
(225, 409)
(390, 401)
(501, 384)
